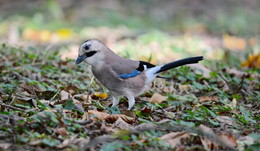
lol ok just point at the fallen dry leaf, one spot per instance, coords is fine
(61, 122)
(122, 124)
(81, 142)
(208, 144)
(83, 97)
(107, 127)
(226, 120)
(52, 103)
(35, 142)
(144, 126)
(71, 88)
(78, 106)
(185, 87)
(245, 140)
(100, 115)
(166, 89)
(23, 100)
(30, 89)
(64, 96)
(130, 113)
(157, 98)
(174, 138)
(208, 99)
(206, 129)
(113, 117)
(253, 61)
(61, 131)
(228, 140)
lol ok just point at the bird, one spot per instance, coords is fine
(123, 77)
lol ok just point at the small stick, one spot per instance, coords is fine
(12, 107)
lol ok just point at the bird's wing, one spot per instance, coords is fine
(132, 70)
(125, 68)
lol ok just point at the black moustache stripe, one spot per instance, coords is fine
(91, 53)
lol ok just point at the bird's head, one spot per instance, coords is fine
(91, 51)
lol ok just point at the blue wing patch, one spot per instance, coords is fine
(142, 66)
(129, 75)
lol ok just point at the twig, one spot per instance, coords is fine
(52, 98)
(13, 99)
(18, 75)
(16, 108)
(164, 112)
(12, 107)
(12, 117)
(223, 78)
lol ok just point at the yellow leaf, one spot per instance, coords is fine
(258, 61)
(100, 95)
(64, 33)
(245, 64)
(253, 61)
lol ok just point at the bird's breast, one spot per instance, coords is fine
(108, 79)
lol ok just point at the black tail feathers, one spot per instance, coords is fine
(181, 62)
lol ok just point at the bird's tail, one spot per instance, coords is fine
(154, 71)
(178, 63)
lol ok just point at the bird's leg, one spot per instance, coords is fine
(115, 101)
(131, 102)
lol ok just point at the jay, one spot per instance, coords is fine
(122, 76)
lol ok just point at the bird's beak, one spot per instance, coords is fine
(81, 58)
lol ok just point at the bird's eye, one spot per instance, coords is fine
(86, 47)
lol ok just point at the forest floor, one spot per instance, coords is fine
(49, 103)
